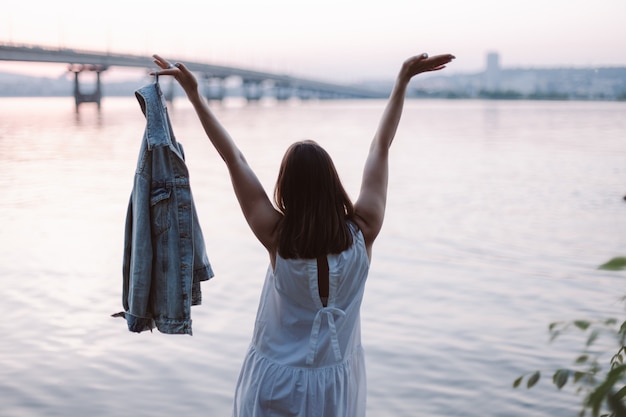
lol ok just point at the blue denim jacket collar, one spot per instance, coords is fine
(159, 129)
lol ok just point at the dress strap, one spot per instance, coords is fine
(315, 330)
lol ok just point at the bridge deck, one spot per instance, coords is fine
(29, 53)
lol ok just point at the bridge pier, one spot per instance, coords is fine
(93, 97)
(252, 90)
(214, 88)
(168, 91)
(304, 94)
(282, 91)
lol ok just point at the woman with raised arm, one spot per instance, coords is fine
(305, 358)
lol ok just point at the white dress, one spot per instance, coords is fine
(305, 359)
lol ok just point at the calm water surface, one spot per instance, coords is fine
(498, 215)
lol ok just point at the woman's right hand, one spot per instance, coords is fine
(180, 72)
(423, 63)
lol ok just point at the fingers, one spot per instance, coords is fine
(440, 67)
(431, 61)
(442, 58)
(181, 67)
(438, 62)
(167, 67)
(163, 63)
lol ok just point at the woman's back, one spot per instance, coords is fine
(291, 306)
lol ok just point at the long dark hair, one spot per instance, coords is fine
(314, 204)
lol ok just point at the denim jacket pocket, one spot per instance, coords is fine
(159, 209)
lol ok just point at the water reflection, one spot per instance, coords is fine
(483, 245)
(86, 115)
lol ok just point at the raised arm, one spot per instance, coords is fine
(255, 204)
(370, 205)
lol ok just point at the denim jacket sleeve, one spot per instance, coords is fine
(136, 293)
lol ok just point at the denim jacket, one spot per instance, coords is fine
(164, 252)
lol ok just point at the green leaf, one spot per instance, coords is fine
(621, 393)
(582, 324)
(518, 381)
(615, 264)
(603, 390)
(610, 322)
(592, 337)
(578, 375)
(560, 378)
(534, 378)
(582, 359)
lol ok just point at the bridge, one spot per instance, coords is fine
(255, 84)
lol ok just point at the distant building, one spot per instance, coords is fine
(492, 73)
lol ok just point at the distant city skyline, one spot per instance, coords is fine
(337, 40)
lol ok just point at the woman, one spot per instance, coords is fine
(305, 358)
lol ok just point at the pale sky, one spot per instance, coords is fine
(334, 40)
